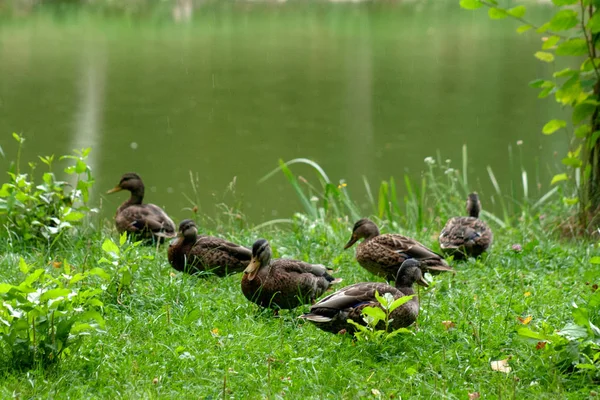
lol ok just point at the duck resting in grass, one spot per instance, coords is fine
(193, 253)
(383, 255)
(143, 221)
(332, 313)
(469, 236)
(282, 283)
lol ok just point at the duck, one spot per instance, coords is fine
(143, 221)
(332, 313)
(383, 255)
(469, 236)
(193, 253)
(283, 283)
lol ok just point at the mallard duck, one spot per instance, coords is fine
(331, 314)
(466, 236)
(383, 255)
(282, 283)
(145, 221)
(192, 253)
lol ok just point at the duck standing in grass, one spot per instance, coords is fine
(192, 253)
(383, 255)
(469, 236)
(144, 221)
(282, 283)
(331, 314)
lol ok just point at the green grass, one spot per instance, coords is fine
(177, 336)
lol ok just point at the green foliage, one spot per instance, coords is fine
(124, 261)
(574, 30)
(45, 210)
(46, 316)
(575, 347)
(378, 319)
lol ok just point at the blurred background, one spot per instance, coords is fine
(216, 92)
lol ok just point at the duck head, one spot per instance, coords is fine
(363, 229)
(188, 230)
(261, 257)
(131, 182)
(473, 205)
(409, 273)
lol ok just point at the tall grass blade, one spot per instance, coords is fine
(370, 194)
(525, 185)
(306, 161)
(465, 181)
(545, 197)
(308, 206)
(273, 222)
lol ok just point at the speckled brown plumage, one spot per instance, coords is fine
(282, 283)
(332, 313)
(143, 221)
(466, 236)
(383, 255)
(193, 254)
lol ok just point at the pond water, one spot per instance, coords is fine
(221, 92)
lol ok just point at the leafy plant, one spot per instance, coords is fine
(44, 211)
(577, 345)
(124, 260)
(378, 319)
(573, 31)
(45, 317)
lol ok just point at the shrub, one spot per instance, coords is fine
(45, 317)
(30, 210)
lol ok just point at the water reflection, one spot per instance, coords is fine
(363, 89)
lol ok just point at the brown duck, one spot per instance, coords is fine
(466, 236)
(331, 314)
(383, 255)
(282, 283)
(145, 221)
(194, 254)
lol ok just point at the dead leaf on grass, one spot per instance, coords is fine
(501, 366)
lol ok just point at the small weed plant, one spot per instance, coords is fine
(124, 260)
(46, 316)
(31, 210)
(378, 319)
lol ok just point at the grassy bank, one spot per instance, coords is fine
(169, 335)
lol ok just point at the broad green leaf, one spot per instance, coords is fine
(558, 178)
(553, 125)
(594, 23)
(564, 72)
(564, 20)
(570, 201)
(524, 28)
(583, 111)
(564, 2)
(528, 333)
(518, 11)
(100, 272)
(123, 238)
(588, 65)
(550, 42)
(398, 302)
(73, 216)
(54, 294)
(5, 287)
(109, 247)
(572, 162)
(375, 312)
(595, 260)
(570, 92)
(544, 56)
(585, 366)
(471, 4)
(543, 28)
(573, 331)
(23, 265)
(573, 47)
(76, 278)
(497, 13)
(583, 131)
(545, 93)
(536, 83)
(126, 278)
(398, 331)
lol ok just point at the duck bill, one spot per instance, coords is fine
(421, 281)
(115, 190)
(350, 242)
(252, 269)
